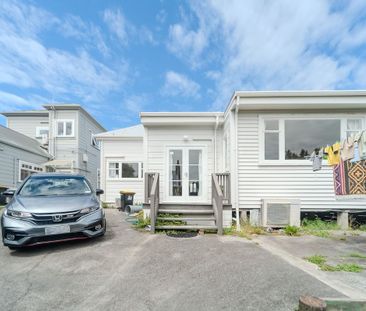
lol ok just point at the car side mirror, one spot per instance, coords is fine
(99, 191)
(9, 193)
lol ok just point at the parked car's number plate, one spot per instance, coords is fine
(57, 229)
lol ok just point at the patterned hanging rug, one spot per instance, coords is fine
(339, 179)
(355, 177)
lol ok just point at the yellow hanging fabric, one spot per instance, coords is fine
(334, 153)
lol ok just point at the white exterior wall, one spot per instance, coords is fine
(9, 159)
(159, 138)
(257, 182)
(124, 149)
(27, 125)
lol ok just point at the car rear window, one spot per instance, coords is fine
(55, 185)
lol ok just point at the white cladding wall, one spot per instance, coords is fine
(121, 150)
(257, 182)
(9, 159)
(162, 137)
(27, 125)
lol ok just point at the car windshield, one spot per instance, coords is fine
(55, 185)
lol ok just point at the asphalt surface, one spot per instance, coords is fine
(130, 270)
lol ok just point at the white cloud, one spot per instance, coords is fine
(134, 104)
(281, 44)
(180, 85)
(124, 29)
(116, 23)
(26, 62)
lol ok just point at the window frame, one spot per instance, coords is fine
(39, 128)
(64, 121)
(32, 169)
(281, 120)
(140, 170)
(93, 141)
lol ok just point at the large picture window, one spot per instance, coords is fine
(125, 170)
(295, 139)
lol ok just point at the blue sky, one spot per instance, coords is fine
(118, 58)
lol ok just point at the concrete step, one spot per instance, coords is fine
(207, 218)
(186, 227)
(187, 211)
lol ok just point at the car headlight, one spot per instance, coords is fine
(17, 214)
(89, 209)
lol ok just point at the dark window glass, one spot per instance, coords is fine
(302, 137)
(130, 170)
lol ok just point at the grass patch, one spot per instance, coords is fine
(321, 262)
(357, 255)
(317, 259)
(362, 228)
(292, 230)
(318, 227)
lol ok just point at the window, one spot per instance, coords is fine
(65, 128)
(113, 170)
(26, 169)
(42, 131)
(125, 170)
(94, 142)
(130, 170)
(353, 126)
(302, 137)
(295, 138)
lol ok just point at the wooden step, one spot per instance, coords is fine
(208, 218)
(186, 211)
(189, 206)
(186, 227)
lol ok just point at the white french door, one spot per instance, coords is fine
(186, 174)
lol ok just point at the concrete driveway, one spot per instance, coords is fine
(130, 270)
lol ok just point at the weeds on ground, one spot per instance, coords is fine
(105, 205)
(141, 221)
(246, 230)
(362, 228)
(321, 262)
(357, 255)
(292, 230)
(318, 227)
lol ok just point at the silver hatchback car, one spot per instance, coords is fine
(52, 207)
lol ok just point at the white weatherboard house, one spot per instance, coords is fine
(249, 160)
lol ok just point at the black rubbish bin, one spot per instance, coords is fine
(2, 197)
(126, 198)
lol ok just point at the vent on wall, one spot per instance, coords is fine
(280, 213)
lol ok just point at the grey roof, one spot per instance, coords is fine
(18, 140)
(132, 131)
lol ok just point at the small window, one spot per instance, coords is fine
(65, 128)
(130, 170)
(113, 170)
(42, 131)
(353, 126)
(94, 142)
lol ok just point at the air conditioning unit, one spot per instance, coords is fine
(85, 158)
(278, 213)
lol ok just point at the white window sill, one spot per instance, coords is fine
(289, 163)
(124, 179)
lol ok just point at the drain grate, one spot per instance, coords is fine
(181, 234)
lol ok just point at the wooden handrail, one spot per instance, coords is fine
(217, 203)
(154, 201)
(225, 184)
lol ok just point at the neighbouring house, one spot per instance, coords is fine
(20, 156)
(122, 163)
(67, 131)
(250, 161)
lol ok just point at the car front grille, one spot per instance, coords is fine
(56, 238)
(55, 218)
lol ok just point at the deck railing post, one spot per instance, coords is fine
(154, 201)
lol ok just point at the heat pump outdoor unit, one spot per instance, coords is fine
(279, 213)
